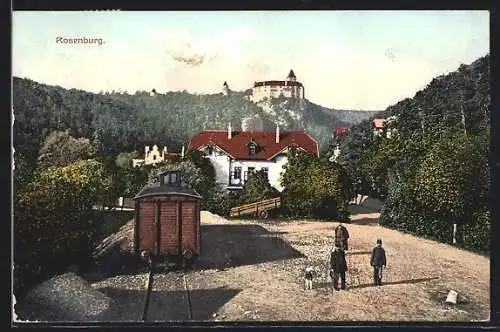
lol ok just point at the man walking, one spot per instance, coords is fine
(342, 236)
(338, 267)
(377, 261)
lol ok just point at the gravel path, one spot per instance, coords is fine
(253, 271)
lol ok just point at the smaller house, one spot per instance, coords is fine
(379, 126)
(341, 131)
(151, 156)
(336, 133)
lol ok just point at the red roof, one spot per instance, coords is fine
(341, 131)
(378, 123)
(237, 146)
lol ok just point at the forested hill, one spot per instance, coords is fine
(123, 122)
(459, 100)
(456, 102)
(433, 171)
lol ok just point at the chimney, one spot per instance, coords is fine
(277, 134)
(146, 151)
(229, 131)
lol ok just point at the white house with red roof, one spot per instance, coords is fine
(236, 154)
(379, 126)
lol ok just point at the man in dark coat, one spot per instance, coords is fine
(377, 261)
(342, 236)
(338, 267)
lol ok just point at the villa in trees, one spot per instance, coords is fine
(379, 126)
(235, 155)
(153, 156)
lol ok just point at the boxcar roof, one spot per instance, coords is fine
(166, 190)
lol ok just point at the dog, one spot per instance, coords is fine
(309, 277)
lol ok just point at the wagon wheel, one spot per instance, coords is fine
(263, 214)
(188, 256)
(146, 254)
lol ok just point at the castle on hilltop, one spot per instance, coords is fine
(289, 88)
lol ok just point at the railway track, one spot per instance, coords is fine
(153, 306)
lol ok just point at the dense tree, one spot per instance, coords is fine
(434, 171)
(124, 159)
(315, 187)
(257, 188)
(453, 179)
(55, 225)
(61, 149)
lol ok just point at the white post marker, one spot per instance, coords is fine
(452, 297)
(454, 233)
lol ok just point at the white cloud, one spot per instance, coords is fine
(184, 47)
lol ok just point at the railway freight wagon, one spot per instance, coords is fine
(167, 221)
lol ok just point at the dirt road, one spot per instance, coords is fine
(253, 271)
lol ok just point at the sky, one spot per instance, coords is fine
(366, 60)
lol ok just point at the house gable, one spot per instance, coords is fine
(266, 145)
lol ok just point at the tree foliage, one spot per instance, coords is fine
(433, 171)
(314, 187)
(61, 149)
(453, 179)
(257, 188)
(54, 224)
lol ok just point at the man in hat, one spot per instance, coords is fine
(377, 261)
(338, 266)
(342, 236)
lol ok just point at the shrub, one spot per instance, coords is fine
(315, 188)
(257, 188)
(477, 234)
(218, 202)
(450, 185)
(53, 221)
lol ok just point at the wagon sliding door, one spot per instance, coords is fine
(189, 226)
(168, 228)
(147, 227)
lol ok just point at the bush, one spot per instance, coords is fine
(449, 186)
(218, 202)
(257, 188)
(315, 188)
(476, 236)
(54, 224)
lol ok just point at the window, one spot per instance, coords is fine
(237, 173)
(154, 157)
(249, 172)
(210, 150)
(173, 178)
(251, 149)
(266, 171)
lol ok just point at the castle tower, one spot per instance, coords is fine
(225, 89)
(291, 76)
(152, 93)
